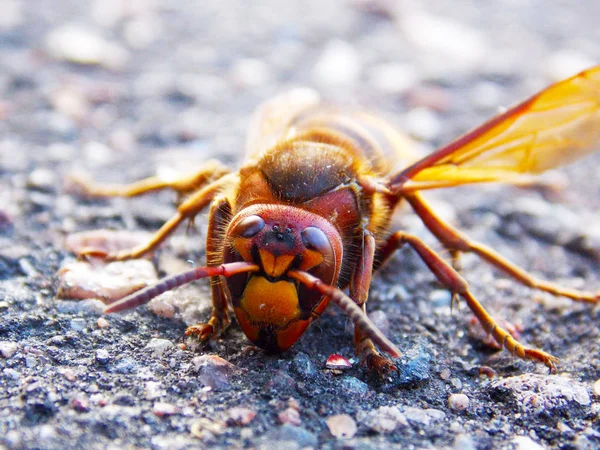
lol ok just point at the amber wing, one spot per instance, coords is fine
(551, 129)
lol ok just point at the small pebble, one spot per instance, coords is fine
(487, 95)
(81, 45)
(393, 78)
(293, 403)
(83, 280)
(341, 426)
(384, 419)
(8, 349)
(281, 381)
(250, 72)
(564, 428)
(246, 433)
(102, 323)
(445, 374)
(162, 409)
(542, 393)
(42, 179)
(303, 366)
(423, 123)
(213, 361)
(485, 371)
(353, 386)
(597, 387)
(11, 373)
(415, 366)
(423, 416)
(161, 308)
(526, 443)
(458, 402)
(159, 346)
(102, 356)
(68, 374)
(433, 97)
(153, 390)
(71, 101)
(339, 64)
(213, 371)
(290, 436)
(97, 399)
(13, 439)
(126, 365)
(77, 324)
(338, 362)
(440, 298)
(47, 433)
(142, 31)
(241, 416)
(202, 426)
(456, 383)
(80, 404)
(290, 416)
(445, 41)
(464, 442)
(31, 361)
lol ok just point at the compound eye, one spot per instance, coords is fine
(249, 227)
(315, 239)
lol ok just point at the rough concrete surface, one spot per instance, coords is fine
(122, 90)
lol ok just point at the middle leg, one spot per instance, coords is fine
(187, 210)
(457, 242)
(210, 171)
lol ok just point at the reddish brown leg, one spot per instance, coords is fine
(212, 170)
(457, 285)
(458, 242)
(219, 217)
(186, 210)
(359, 292)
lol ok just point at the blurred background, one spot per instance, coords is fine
(125, 88)
(98, 80)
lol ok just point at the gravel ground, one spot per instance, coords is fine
(124, 91)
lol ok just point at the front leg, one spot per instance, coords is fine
(219, 217)
(359, 292)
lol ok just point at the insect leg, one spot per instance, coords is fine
(458, 242)
(187, 210)
(457, 285)
(219, 217)
(211, 170)
(359, 292)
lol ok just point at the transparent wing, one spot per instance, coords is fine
(551, 129)
(271, 121)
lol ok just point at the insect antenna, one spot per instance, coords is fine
(352, 310)
(146, 294)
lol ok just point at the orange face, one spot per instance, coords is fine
(272, 308)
